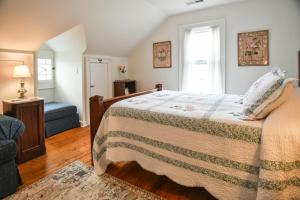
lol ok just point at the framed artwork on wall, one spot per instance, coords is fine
(253, 48)
(162, 55)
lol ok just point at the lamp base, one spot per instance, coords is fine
(22, 91)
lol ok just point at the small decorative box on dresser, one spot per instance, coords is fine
(31, 112)
(120, 86)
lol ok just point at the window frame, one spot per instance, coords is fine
(46, 84)
(221, 23)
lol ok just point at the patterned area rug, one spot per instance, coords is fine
(79, 182)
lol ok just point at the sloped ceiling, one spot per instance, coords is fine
(71, 40)
(113, 27)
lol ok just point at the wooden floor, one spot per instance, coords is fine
(72, 145)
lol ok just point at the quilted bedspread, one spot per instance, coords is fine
(200, 141)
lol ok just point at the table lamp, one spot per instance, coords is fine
(22, 72)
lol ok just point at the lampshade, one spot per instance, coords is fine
(21, 71)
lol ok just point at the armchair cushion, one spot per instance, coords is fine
(8, 150)
(10, 128)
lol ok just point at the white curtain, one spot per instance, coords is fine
(215, 82)
(187, 62)
(214, 63)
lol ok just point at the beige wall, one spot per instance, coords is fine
(8, 85)
(69, 79)
(69, 74)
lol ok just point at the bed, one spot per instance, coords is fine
(200, 141)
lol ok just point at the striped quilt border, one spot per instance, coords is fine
(177, 163)
(182, 151)
(262, 183)
(264, 164)
(201, 125)
(279, 166)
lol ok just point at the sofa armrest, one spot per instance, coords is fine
(10, 128)
(8, 150)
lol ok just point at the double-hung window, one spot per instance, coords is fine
(46, 69)
(202, 56)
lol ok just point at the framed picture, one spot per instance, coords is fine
(162, 55)
(253, 48)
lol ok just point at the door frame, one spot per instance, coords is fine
(95, 59)
(102, 63)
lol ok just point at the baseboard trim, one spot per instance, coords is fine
(83, 124)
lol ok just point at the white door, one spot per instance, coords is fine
(99, 79)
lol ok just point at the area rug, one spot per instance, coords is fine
(79, 182)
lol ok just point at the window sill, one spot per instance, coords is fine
(47, 88)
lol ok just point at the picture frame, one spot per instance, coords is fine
(162, 54)
(253, 48)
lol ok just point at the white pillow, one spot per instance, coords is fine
(286, 92)
(264, 91)
(274, 71)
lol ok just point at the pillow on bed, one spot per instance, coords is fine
(272, 76)
(262, 93)
(286, 92)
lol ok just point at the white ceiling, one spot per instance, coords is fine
(172, 7)
(113, 27)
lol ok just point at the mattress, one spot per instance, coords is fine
(56, 110)
(56, 126)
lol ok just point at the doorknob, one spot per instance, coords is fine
(91, 86)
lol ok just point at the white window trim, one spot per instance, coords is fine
(220, 23)
(46, 84)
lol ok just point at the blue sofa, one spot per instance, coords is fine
(10, 130)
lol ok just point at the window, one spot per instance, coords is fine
(45, 73)
(201, 64)
(199, 54)
(45, 69)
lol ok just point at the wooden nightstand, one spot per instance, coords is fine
(120, 85)
(31, 112)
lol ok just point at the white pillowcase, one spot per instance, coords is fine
(275, 71)
(286, 93)
(263, 92)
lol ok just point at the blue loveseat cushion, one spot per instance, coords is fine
(8, 150)
(56, 110)
(10, 130)
(60, 125)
